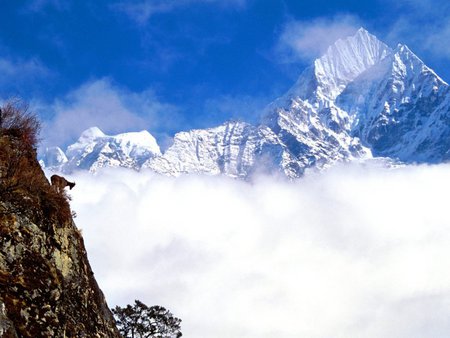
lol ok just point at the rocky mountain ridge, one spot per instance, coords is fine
(360, 100)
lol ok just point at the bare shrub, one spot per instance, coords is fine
(22, 183)
(18, 121)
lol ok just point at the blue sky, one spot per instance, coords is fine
(167, 66)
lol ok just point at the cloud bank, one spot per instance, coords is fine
(353, 252)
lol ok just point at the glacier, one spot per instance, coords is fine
(361, 100)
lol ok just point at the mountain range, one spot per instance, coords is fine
(361, 100)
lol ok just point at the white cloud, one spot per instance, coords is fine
(142, 11)
(111, 108)
(306, 40)
(353, 252)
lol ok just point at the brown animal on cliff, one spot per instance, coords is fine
(59, 183)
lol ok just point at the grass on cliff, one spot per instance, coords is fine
(24, 189)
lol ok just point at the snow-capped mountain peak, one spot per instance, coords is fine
(405, 56)
(343, 61)
(360, 99)
(139, 140)
(94, 149)
(234, 148)
(90, 134)
(400, 109)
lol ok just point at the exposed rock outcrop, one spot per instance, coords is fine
(47, 287)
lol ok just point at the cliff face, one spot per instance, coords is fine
(47, 288)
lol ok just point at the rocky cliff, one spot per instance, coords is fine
(47, 287)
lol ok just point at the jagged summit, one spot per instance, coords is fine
(142, 138)
(234, 148)
(90, 134)
(360, 99)
(400, 109)
(342, 63)
(94, 150)
(404, 53)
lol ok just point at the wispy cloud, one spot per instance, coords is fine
(354, 252)
(424, 23)
(306, 40)
(108, 106)
(17, 74)
(142, 11)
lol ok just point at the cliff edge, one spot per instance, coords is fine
(47, 287)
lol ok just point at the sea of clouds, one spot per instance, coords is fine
(356, 251)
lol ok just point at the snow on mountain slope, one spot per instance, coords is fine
(235, 149)
(342, 63)
(94, 150)
(53, 157)
(360, 99)
(306, 118)
(316, 138)
(400, 109)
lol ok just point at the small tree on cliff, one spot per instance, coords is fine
(141, 321)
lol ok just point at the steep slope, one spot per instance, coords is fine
(401, 109)
(315, 138)
(343, 61)
(47, 288)
(307, 120)
(235, 149)
(360, 99)
(53, 157)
